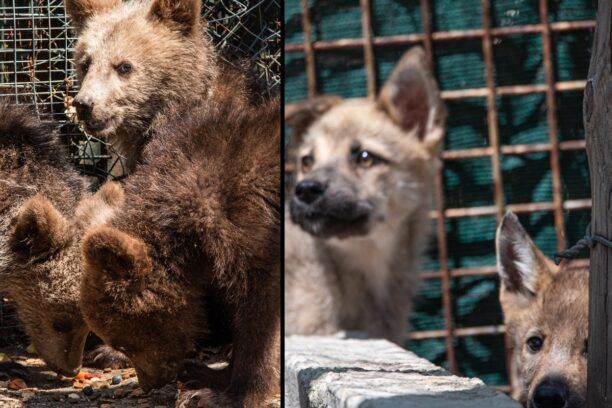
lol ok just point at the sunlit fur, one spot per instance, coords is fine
(194, 253)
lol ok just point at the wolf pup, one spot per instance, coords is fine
(137, 62)
(45, 210)
(546, 315)
(359, 215)
(194, 255)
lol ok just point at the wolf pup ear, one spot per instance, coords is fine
(180, 15)
(39, 229)
(411, 98)
(82, 10)
(116, 254)
(521, 266)
(302, 114)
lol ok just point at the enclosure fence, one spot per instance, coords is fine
(36, 48)
(378, 32)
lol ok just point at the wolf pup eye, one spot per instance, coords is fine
(534, 343)
(62, 326)
(124, 68)
(307, 162)
(367, 159)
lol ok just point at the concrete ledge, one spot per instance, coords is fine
(336, 372)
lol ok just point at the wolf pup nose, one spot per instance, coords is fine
(550, 393)
(309, 191)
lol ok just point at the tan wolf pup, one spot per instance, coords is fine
(546, 315)
(359, 212)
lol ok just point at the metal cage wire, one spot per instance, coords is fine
(551, 87)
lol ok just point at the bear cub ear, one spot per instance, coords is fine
(39, 229)
(82, 10)
(180, 15)
(115, 254)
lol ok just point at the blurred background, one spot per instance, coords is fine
(512, 74)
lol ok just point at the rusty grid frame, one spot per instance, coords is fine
(428, 38)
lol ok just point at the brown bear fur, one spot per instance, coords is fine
(172, 67)
(196, 243)
(44, 209)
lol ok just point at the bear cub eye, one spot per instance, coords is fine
(124, 68)
(62, 326)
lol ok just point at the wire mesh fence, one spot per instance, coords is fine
(36, 47)
(511, 73)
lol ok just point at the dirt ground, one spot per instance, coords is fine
(43, 388)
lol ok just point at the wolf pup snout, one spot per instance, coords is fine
(550, 393)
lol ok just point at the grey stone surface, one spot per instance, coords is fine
(350, 373)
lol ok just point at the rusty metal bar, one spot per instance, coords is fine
(498, 192)
(368, 48)
(551, 117)
(307, 48)
(487, 50)
(447, 304)
(480, 271)
(407, 39)
(511, 150)
(517, 208)
(459, 332)
(562, 86)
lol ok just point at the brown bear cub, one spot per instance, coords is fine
(45, 207)
(196, 243)
(139, 61)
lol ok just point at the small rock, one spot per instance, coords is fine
(74, 397)
(116, 380)
(119, 393)
(16, 384)
(27, 395)
(87, 390)
(106, 405)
